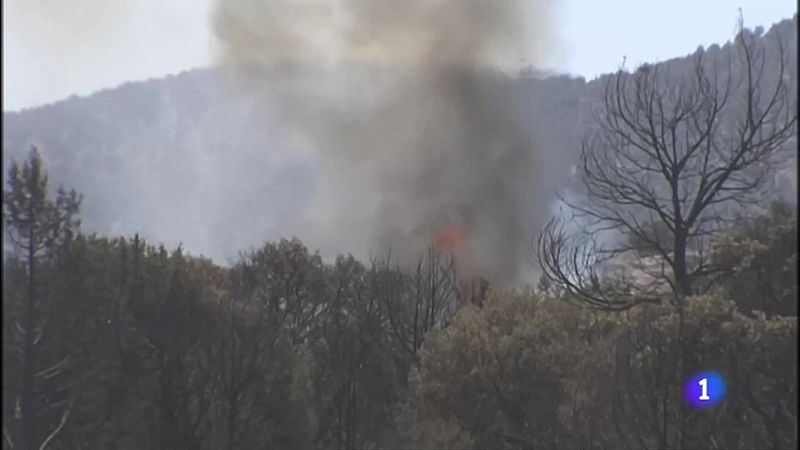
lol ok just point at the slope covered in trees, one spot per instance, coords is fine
(164, 152)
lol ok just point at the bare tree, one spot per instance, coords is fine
(419, 302)
(672, 157)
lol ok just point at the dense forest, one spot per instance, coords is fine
(136, 346)
(121, 343)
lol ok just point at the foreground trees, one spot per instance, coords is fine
(528, 374)
(135, 346)
(758, 261)
(39, 229)
(675, 177)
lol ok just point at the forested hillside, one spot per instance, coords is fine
(164, 152)
(168, 149)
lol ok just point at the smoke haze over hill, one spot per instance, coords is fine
(352, 151)
(433, 143)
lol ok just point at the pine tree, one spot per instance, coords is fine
(38, 228)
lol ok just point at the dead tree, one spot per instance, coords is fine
(678, 152)
(418, 302)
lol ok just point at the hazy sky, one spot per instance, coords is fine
(56, 48)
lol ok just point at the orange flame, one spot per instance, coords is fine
(449, 238)
(472, 288)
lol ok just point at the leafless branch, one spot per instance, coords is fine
(680, 150)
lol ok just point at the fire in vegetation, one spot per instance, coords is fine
(409, 108)
(449, 239)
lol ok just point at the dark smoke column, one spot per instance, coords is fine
(409, 113)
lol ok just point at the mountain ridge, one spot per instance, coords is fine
(138, 152)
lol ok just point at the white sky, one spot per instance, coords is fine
(55, 48)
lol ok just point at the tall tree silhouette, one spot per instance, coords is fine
(37, 227)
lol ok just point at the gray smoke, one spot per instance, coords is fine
(419, 132)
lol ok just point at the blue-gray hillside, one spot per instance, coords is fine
(189, 159)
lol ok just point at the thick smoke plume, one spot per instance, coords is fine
(418, 132)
